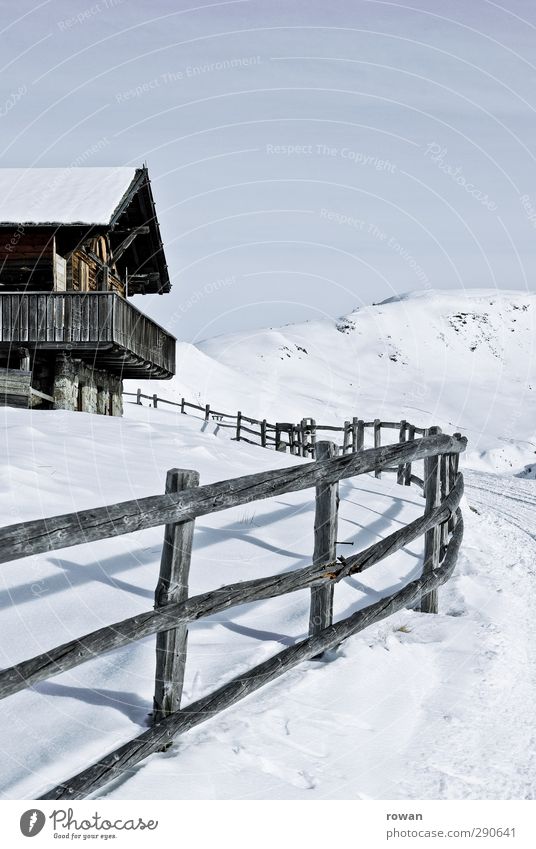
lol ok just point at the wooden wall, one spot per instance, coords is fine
(28, 260)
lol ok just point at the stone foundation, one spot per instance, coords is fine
(77, 386)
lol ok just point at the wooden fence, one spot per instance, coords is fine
(299, 439)
(183, 501)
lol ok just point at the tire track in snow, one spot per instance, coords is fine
(479, 740)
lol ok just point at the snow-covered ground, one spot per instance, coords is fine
(417, 707)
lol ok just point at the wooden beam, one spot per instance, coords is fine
(401, 438)
(377, 443)
(432, 538)
(35, 537)
(172, 587)
(325, 548)
(126, 243)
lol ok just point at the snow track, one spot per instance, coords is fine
(514, 499)
(480, 741)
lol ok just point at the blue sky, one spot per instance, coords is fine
(306, 157)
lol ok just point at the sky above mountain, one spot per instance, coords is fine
(306, 158)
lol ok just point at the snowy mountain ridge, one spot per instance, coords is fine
(463, 360)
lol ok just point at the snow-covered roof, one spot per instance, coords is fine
(62, 195)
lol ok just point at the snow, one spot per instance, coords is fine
(62, 461)
(462, 360)
(62, 195)
(418, 706)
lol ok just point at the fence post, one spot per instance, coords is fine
(293, 438)
(355, 427)
(410, 438)
(377, 442)
(238, 425)
(173, 586)
(304, 437)
(138, 396)
(360, 434)
(346, 437)
(207, 412)
(454, 460)
(444, 491)
(400, 474)
(263, 433)
(432, 538)
(313, 438)
(325, 548)
(155, 401)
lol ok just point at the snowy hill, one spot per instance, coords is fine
(404, 710)
(49, 599)
(463, 360)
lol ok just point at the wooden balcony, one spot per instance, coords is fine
(101, 328)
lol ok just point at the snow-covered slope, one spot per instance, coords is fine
(57, 462)
(404, 710)
(463, 360)
(408, 708)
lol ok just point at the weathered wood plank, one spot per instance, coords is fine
(432, 541)
(360, 435)
(402, 466)
(128, 755)
(70, 529)
(312, 425)
(325, 548)
(410, 438)
(444, 462)
(78, 651)
(453, 474)
(377, 443)
(347, 437)
(15, 388)
(173, 587)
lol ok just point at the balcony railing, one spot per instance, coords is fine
(101, 327)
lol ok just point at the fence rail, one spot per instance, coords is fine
(296, 438)
(177, 508)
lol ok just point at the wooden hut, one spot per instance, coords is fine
(75, 245)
